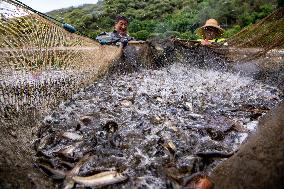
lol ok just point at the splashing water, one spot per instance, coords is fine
(160, 121)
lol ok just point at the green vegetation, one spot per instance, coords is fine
(164, 18)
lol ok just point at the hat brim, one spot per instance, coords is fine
(200, 31)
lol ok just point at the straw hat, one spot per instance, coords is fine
(210, 23)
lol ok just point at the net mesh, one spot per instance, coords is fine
(262, 37)
(268, 33)
(42, 63)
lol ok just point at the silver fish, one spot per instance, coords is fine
(69, 182)
(77, 167)
(68, 151)
(72, 136)
(53, 173)
(101, 179)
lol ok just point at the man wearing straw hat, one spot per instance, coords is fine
(210, 32)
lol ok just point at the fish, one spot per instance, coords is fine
(111, 126)
(86, 120)
(68, 151)
(77, 167)
(53, 173)
(44, 141)
(214, 154)
(67, 164)
(69, 182)
(72, 136)
(126, 103)
(195, 116)
(198, 181)
(170, 146)
(100, 179)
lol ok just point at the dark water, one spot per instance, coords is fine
(155, 126)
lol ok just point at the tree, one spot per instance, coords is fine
(157, 17)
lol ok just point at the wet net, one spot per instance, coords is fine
(267, 33)
(263, 38)
(258, 50)
(42, 63)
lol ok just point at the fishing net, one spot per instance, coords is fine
(266, 34)
(258, 49)
(41, 62)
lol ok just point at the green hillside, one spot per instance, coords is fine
(165, 18)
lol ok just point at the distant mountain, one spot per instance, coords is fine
(163, 18)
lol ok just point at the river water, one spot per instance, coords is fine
(156, 126)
